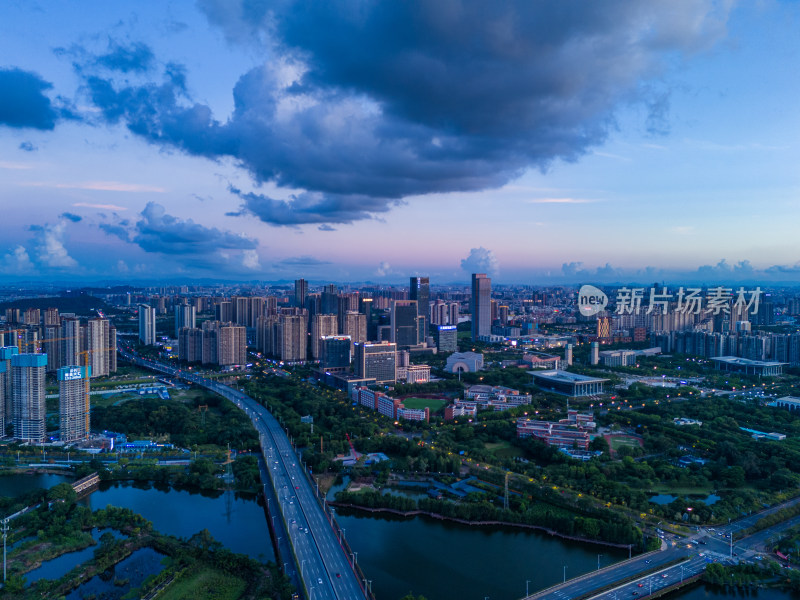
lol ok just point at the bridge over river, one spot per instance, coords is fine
(327, 569)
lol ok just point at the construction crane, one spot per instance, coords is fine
(352, 448)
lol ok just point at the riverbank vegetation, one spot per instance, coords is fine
(200, 566)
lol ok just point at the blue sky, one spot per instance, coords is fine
(543, 142)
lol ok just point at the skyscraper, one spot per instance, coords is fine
(2, 399)
(300, 292)
(420, 290)
(73, 404)
(403, 320)
(481, 305)
(27, 372)
(355, 326)
(147, 325)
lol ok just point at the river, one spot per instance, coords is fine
(439, 560)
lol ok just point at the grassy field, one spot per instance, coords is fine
(434, 404)
(205, 585)
(619, 442)
(503, 449)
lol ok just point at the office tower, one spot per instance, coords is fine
(224, 312)
(447, 338)
(27, 373)
(322, 326)
(292, 339)
(403, 320)
(101, 347)
(335, 352)
(378, 361)
(300, 292)
(6, 352)
(419, 289)
(185, 316)
(481, 306)
(494, 305)
(73, 402)
(365, 307)
(355, 326)
(594, 356)
(70, 342)
(329, 302)
(232, 345)
(147, 325)
(190, 344)
(568, 355)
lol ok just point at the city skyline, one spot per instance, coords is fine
(191, 142)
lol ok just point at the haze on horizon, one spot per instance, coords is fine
(550, 142)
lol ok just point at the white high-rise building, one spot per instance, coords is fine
(147, 324)
(28, 393)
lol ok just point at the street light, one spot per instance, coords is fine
(598, 561)
(527, 581)
(565, 573)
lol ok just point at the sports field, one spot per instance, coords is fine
(434, 404)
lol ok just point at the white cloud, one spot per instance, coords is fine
(480, 260)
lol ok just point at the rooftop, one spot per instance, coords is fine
(565, 376)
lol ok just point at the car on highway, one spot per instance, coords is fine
(319, 580)
(338, 575)
(635, 593)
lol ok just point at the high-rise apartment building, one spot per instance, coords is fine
(355, 326)
(404, 323)
(481, 305)
(73, 402)
(190, 344)
(6, 352)
(224, 312)
(232, 345)
(101, 343)
(292, 338)
(28, 397)
(378, 361)
(2, 399)
(185, 316)
(147, 325)
(322, 326)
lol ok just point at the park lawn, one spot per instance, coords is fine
(503, 449)
(205, 584)
(435, 404)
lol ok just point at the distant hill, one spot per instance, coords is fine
(80, 305)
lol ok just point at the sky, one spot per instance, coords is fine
(541, 142)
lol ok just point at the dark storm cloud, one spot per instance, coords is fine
(23, 102)
(157, 231)
(362, 104)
